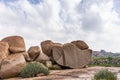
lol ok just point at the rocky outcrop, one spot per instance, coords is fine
(12, 65)
(70, 55)
(13, 56)
(74, 55)
(80, 44)
(16, 44)
(103, 53)
(34, 52)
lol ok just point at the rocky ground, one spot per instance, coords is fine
(72, 74)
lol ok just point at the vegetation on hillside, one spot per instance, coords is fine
(105, 61)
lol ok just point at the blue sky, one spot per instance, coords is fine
(35, 1)
(97, 22)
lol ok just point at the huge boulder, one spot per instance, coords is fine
(4, 52)
(80, 44)
(47, 47)
(16, 44)
(12, 65)
(34, 52)
(71, 56)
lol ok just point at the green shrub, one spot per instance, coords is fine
(32, 69)
(105, 75)
(109, 58)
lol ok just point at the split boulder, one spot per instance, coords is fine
(71, 56)
(58, 55)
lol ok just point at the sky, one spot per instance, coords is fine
(97, 22)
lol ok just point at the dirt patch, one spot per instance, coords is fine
(72, 74)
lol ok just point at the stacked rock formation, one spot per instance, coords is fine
(74, 55)
(11, 56)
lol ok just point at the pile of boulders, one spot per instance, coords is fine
(13, 55)
(74, 55)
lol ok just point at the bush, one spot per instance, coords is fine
(32, 69)
(109, 58)
(105, 75)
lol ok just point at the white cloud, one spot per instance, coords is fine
(94, 21)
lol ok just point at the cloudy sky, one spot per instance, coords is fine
(97, 22)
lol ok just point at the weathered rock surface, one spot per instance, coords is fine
(71, 56)
(16, 44)
(58, 44)
(42, 57)
(4, 52)
(80, 44)
(48, 64)
(12, 65)
(58, 55)
(34, 52)
(47, 46)
(27, 57)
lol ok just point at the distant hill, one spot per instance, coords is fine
(104, 53)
